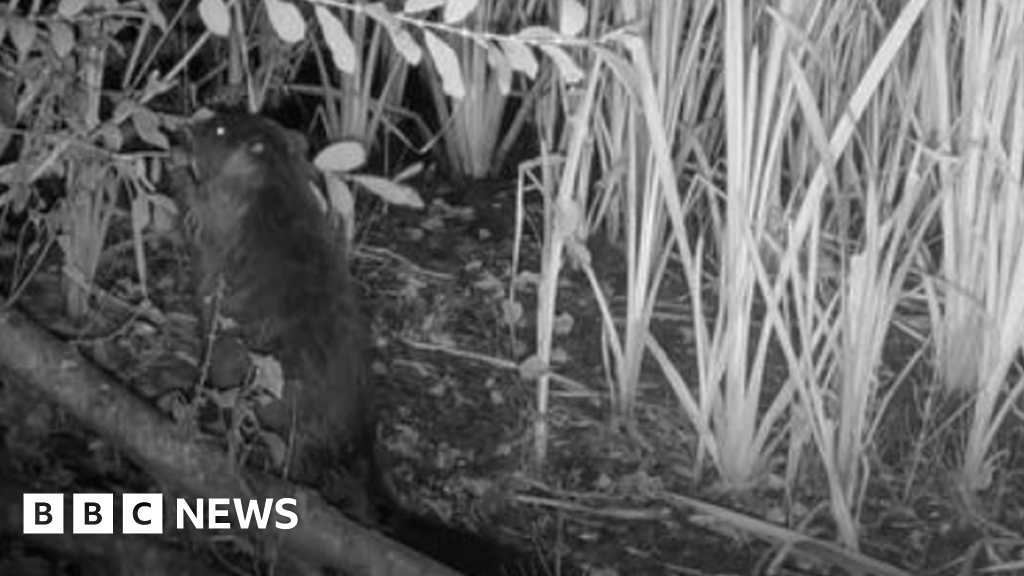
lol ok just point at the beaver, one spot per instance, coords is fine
(270, 260)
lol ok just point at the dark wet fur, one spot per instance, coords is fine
(256, 226)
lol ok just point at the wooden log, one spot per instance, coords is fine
(323, 537)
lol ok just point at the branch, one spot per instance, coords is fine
(322, 538)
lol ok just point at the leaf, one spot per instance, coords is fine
(343, 50)
(447, 64)
(520, 56)
(570, 72)
(532, 368)
(286, 20)
(276, 447)
(23, 34)
(563, 324)
(511, 312)
(215, 16)
(401, 38)
(389, 191)
(341, 157)
(269, 375)
(318, 195)
(164, 214)
(340, 197)
(123, 111)
(573, 18)
(457, 10)
(342, 202)
(379, 12)
(568, 217)
(407, 46)
(71, 8)
(416, 6)
(62, 38)
(527, 280)
(110, 136)
(148, 125)
(410, 171)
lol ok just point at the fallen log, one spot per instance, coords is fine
(323, 537)
(115, 554)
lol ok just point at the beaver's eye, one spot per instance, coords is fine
(220, 130)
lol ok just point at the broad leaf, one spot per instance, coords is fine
(71, 8)
(341, 157)
(415, 6)
(62, 38)
(215, 16)
(389, 191)
(520, 56)
(573, 18)
(343, 50)
(570, 72)
(456, 10)
(340, 197)
(286, 20)
(447, 64)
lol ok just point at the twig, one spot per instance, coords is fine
(324, 538)
(618, 513)
(799, 544)
(465, 354)
(378, 253)
(573, 385)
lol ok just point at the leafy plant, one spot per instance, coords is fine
(977, 299)
(336, 163)
(78, 132)
(356, 102)
(475, 142)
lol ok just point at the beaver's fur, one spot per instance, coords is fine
(263, 244)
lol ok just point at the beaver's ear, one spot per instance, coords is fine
(298, 146)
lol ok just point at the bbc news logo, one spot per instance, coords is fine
(144, 513)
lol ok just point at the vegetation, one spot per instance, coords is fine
(832, 190)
